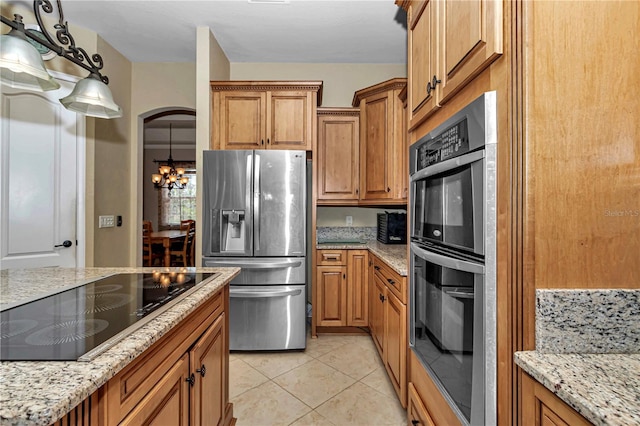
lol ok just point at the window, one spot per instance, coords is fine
(178, 204)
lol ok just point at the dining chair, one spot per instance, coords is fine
(149, 255)
(180, 252)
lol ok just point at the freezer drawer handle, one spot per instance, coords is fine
(263, 294)
(265, 265)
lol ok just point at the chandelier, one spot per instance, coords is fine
(22, 67)
(170, 177)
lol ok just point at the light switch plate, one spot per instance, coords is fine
(106, 221)
(349, 220)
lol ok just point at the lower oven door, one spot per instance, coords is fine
(267, 317)
(447, 328)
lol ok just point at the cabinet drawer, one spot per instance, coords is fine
(332, 257)
(393, 281)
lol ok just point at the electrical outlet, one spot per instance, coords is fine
(106, 222)
(349, 220)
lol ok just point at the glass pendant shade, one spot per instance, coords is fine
(92, 97)
(21, 65)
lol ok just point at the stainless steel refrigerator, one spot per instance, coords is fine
(254, 211)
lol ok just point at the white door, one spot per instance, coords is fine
(39, 179)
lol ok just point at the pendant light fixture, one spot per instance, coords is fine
(21, 65)
(169, 176)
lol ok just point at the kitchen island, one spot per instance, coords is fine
(42, 392)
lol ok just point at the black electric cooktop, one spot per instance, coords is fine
(88, 319)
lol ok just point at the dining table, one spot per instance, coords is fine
(166, 238)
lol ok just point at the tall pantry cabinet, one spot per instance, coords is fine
(568, 152)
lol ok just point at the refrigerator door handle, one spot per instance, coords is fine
(248, 195)
(263, 294)
(254, 265)
(256, 205)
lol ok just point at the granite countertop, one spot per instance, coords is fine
(588, 351)
(603, 388)
(394, 255)
(41, 392)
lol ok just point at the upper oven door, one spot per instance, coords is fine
(447, 203)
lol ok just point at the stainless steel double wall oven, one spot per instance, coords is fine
(453, 259)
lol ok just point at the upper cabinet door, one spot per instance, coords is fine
(290, 124)
(338, 154)
(376, 152)
(243, 120)
(471, 40)
(449, 42)
(423, 48)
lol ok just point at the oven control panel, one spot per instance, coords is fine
(452, 142)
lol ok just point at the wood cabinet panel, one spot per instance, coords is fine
(264, 114)
(166, 403)
(338, 154)
(395, 335)
(331, 295)
(543, 408)
(243, 119)
(331, 257)
(416, 411)
(207, 363)
(377, 315)
(357, 288)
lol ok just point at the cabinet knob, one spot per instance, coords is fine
(390, 281)
(388, 189)
(202, 370)
(377, 268)
(261, 141)
(415, 422)
(344, 276)
(191, 379)
(268, 141)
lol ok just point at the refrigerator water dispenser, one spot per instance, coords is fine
(233, 231)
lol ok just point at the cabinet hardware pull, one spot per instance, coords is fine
(388, 189)
(202, 370)
(357, 191)
(268, 141)
(432, 85)
(191, 379)
(344, 276)
(390, 281)
(331, 256)
(261, 141)
(377, 268)
(415, 422)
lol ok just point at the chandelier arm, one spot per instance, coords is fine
(77, 55)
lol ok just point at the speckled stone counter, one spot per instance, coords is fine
(588, 352)
(394, 255)
(41, 392)
(604, 388)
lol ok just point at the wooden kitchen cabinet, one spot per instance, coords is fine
(542, 408)
(264, 115)
(381, 142)
(417, 413)
(388, 324)
(181, 379)
(338, 155)
(341, 288)
(449, 44)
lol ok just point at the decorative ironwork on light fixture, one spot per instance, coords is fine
(170, 176)
(21, 65)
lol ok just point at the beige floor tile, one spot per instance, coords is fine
(379, 380)
(362, 405)
(323, 344)
(267, 404)
(273, 364)
(243, 377)
(314, 382)
(354, 360)
(312, 419)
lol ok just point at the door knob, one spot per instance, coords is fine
(65, 244)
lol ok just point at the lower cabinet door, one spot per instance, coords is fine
(208, 367)
(378, 299)
(168, 402)
(416, 411)
(395, 353)
(331, 295)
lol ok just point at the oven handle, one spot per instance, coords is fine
(263, 294)
(460, 294)
(447, 165)
(448, 262)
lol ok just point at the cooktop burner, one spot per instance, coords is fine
(88, 319)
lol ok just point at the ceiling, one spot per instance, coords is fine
(310, 31)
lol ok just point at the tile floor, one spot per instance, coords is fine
(337, 380)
